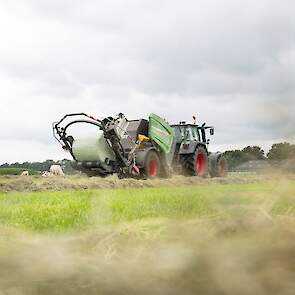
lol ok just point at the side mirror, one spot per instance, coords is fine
(211, 131)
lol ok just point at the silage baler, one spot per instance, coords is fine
(139, 148)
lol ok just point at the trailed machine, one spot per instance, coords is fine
(140, 148)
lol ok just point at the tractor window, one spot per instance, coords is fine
(198, 134)
(182, 131)
(195, 134)
(190, 134)
(203, 135)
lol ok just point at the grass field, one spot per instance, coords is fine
(79, 210)
(180, 236)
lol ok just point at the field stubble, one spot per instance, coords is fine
(38, 183)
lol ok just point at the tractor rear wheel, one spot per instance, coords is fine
(219, 167)
(222, 167)
(152, 166)
(196, 164)
(94, 174)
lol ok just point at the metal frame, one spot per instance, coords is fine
(60, 134)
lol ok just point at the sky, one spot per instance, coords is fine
(229, 62)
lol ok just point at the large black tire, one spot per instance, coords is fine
(218, 166)
(90, 173)
(152, 165)
(197, 163)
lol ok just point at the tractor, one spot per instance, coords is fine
(140, 148)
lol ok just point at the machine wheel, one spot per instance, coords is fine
(196, 164)
(219, 167)
(95, 174)
(152, 166)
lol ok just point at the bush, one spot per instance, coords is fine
(16, 171)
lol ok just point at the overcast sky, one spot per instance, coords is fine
(230, 62)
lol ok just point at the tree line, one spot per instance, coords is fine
(40, 166)
(279, 152)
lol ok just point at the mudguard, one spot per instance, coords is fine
(161, 133)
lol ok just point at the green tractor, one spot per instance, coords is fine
(140, 148)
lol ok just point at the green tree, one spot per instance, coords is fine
(41, 166)
(281, 151)
(254, 152)
(235, 158)
(238, 157)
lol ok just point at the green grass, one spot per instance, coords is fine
(79, 210)
(128, 205)
(45, 211)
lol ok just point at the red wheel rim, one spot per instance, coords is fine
(200, 164)
(222, 168)
(153, 168)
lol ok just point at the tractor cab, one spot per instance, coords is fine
(186, 133)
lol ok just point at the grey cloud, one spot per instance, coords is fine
(188, 49)
(231, 62)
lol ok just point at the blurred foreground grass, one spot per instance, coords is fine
(212, 238)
